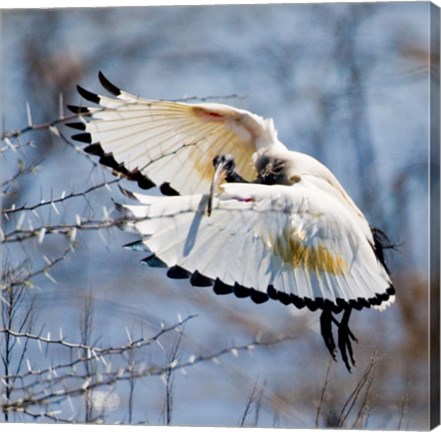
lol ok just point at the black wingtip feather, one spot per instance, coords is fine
(108, 160)
(298, 302)
(77, 125)
(83, 137)
(221, 288)
(199, 280)
(311, 304)
(177, 272)
(241, 292)
(89, 96)
(154, 261)
(143, 181)
(94, 149)
(111, 88)
(137, 245)
(258, 297)
(356, 304)
(166, 189)
(272, 293)
(391, 290)
(78, 109)
(283, 298)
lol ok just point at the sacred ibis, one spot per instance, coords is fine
(241, 212)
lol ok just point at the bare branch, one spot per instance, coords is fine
(62, 199)
(323, 395)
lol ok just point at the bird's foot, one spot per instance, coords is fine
(345, 336)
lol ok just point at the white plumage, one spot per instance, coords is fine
(279, 227)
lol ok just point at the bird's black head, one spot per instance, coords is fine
(227, 162)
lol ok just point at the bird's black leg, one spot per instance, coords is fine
(326, 319)
(344, 340)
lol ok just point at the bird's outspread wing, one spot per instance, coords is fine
(171, 144)
(294, 244)
(293, 235)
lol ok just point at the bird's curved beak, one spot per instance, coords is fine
(218, 177)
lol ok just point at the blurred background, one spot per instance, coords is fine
(345, 83)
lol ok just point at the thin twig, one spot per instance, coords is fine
(62, 199)
(352, 398)
(323, 394)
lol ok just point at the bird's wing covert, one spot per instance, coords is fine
(293, 244)
(171, 144)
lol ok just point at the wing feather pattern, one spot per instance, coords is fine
(292, 243)
(170, 142)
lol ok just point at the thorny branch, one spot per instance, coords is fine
(62, 383)
(8, 135)
(70, 230)
(94, 352)
(62, 199)
(25, 280)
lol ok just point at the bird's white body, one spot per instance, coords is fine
(300, 239)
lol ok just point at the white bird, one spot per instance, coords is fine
(248, 216)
